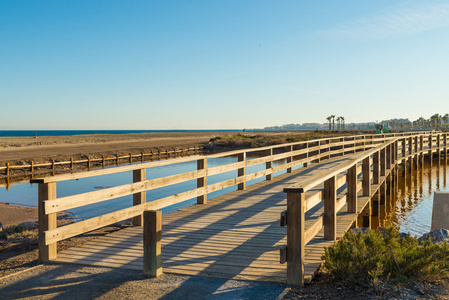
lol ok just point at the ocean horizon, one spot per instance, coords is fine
(13, 133)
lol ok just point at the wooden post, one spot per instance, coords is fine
(375, 204)
(71, 163)
(201, 182)
(351, 178)
(445, 146)
(319, 152)
(295, 238)
(306, 164)
(290, 160)
(366, 215)
(269, 164)
(104, 162)
(382, 192)
(430, 143)
(438, 147)
(7, 169)
(376, 167)
(330, 209)
(141, 197)
(47, 191)
(396, 151)
(383, 162)
(403, 150)
(152, 235)
(141, 156)
(242, 171)
(365, 176)
(32, 167)
(354, 145)
(388, 154)
(53, 165)
(88, 163)
(130, 158)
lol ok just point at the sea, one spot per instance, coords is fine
(5, 133)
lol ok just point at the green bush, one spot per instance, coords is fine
(365, 258)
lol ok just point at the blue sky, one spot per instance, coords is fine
(219, 64)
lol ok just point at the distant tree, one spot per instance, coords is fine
(329, 119)
(343, 122)
(339, 123)
(333, 121)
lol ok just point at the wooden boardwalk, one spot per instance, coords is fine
(235, 236)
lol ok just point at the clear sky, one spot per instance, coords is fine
(219, 64)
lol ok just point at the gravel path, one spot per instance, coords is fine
(67, 281)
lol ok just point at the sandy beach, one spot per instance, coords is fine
(26, 149)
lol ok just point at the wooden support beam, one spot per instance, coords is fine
(352, 189)
(152, 235)
(269, 164)
(366, 176)
(383, 192)
(388, 157)
(366, 216)
(201, 182)
(295, 238)
(290, 159)
(376, 167)
(141, 197)
(330, 209)
(430, 144)
(306, 164)
(403, 148)
(47, 191)
(242, 171)
(375, 202)
(383, 162)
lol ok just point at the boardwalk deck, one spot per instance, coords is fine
(236, 235)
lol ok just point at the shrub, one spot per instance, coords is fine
(366, 258)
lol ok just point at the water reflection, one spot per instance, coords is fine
(412, 205)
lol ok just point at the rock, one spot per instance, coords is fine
(436, 236)
(28, 225)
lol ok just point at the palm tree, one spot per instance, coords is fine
(343, 122)
(446, 119)
(333, 121)
(338, 123)
(329, 119)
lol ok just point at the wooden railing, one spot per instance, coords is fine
(289, 156)
(90, 162)
(366, 177)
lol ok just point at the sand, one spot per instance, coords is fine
(27, 149)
